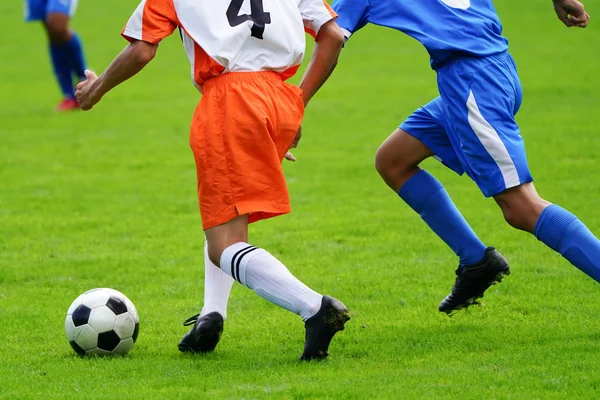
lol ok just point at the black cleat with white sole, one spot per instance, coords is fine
(473, 280)
(321, 327)
(204, 335)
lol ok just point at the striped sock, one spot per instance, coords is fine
(258, 270)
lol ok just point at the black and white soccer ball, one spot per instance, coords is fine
(102, 321)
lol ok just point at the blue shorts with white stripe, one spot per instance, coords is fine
(37, 10)
(471, 127)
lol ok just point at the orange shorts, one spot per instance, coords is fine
(241, 130)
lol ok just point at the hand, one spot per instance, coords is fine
(289, 156)
(571, 13)
(84, 93)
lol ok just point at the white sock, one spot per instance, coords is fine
(258, 270)
(217, 286)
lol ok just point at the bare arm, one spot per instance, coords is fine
(571, 13)
(329, 43)
(128, 63)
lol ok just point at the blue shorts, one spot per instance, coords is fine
(36, 10)
(471, 127)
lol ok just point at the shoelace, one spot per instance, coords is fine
(191, 320)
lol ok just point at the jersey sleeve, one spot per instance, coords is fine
(315, 14)
(352, 15)
(152, 21)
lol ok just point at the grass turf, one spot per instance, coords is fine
(107, 198)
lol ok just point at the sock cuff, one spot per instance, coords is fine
(552, 224)
(232, 257)
(418, 189)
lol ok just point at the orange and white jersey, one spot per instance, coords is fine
(222, 36)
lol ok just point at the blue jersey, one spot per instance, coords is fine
(447, 28)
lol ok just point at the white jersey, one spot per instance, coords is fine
(223, 36)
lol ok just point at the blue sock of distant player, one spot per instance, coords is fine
(563, 232)
(76, 56)
(59, 53)
(426, 195)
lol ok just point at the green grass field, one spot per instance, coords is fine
(107, 199)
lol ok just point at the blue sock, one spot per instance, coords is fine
(563, 232)
(76, 56)
(59, 54)
(426, 195)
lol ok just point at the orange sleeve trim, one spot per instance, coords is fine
(159, 20)
(331, 12)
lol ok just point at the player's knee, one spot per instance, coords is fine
(380, 161)
(388, 164)
(521, 207)
(58, 29)
(394, 170)
(523, 213)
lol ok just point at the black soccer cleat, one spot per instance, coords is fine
(473, 280)
(204, 335)
(321, 327)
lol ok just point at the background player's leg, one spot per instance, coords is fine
(65, 48)
(57, 28)
(258, 270)
(217, 287)
(556, 227)
(397, 162)
(78, 65)
(73, 44)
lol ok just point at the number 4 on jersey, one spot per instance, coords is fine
(257, 15)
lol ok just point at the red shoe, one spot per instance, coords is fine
(68, 104)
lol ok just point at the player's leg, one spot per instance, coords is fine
(397, 162)
(65, 49)
(73, 44)
(57, 29)
(482, 96)
(556, 227)
(261, 272)
(398, 158)
(232, 195)
(258, 270)
(522, 206)
(208, 324)
(422, 135)
(217, 287)
(57, 32)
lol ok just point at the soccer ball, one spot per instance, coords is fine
(102, 321)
